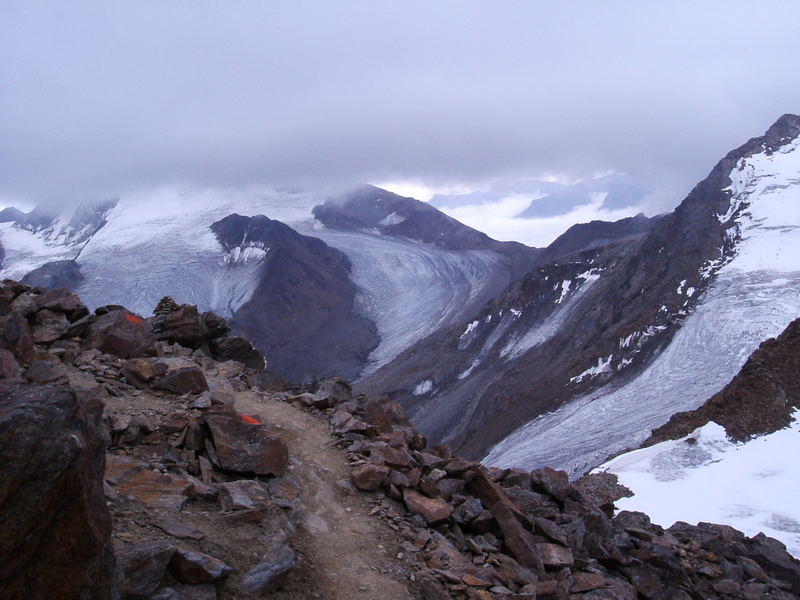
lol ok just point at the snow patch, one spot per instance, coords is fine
(603, 366)
(423, 387)
(704, 476)
(392, 219)
(565, 286)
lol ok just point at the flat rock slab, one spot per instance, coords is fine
(132, 478)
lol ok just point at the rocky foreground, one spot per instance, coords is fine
(157, 459)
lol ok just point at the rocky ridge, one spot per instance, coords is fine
(219, 482)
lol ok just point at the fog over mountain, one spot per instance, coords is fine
(100, 99)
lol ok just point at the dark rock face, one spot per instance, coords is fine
(369, 207)
(56, 274)
(56, 529)
(615, 281)
(302, 313)
(759, 400)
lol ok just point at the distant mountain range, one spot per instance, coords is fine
(558, 356)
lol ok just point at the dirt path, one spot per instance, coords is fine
(350, 553)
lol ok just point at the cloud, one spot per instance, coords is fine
(113, 95)
(501, 220)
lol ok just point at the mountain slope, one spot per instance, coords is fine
(621, 336)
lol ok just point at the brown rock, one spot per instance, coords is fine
(142, 566)
(45, 371)
(585, 582)
(520, 541)
(16, 337)
(433, 510)
(330, 392)
(55, 528)
(63, 301)
(270, 572)
(555, 483)
(189, 566)
(393, 457)
(431, 589)
(370, 476)
(138, 372)
(121, 333)
(246, 494)
(183, 380)
(48, 326)
(727, 586)
(548, 528)
(385, 415)
(9, 367)
(475, 581)
(132, 478)
(244, 445)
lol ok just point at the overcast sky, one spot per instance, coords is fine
(98, 97)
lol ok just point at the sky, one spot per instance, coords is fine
(101, 97)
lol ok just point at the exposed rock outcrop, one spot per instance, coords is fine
(55, 528)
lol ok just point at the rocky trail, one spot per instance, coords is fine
(347, 552)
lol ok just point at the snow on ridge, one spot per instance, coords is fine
(704, 476)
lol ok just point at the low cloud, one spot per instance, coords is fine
(115, 96)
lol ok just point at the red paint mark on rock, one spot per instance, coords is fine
(133, 318)
(251, 420)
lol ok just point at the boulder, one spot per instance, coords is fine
(141, 567)
(48, 326)
(433, 510)
(9, 367)
(244, 445)
(139, 372)
(238, 349)
(63, 301)
(183, 380)
(121, 333)
(556, 483)
(270, 571)
(370, 476)
(16, 337)
(245, 494)
(55, 528)
(330, 392)
(189, 566)
(45, 371)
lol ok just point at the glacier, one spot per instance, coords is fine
(158, 243)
